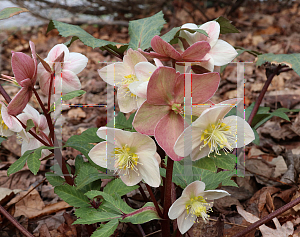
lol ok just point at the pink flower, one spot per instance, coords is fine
(161, 114)
(72, 64)
(220, 52)
(8, 123)
(24, 69)
(165, 51)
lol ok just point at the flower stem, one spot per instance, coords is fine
(270, 75)
(15, 222)
(268, 218)
(154, 201)
(167, 200)
(4, 94)
(50, 89)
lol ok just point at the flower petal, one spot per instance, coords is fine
(212, 28)
(113, 74)
(130, 179)
(214, 194)
(193, 189)
(191, 38)
(139, 88)
(144, 70)
(70, 81)
(76, 62)
(126, 102)
(222, 53)
(98, 154)
(177, 208)
(166, 135)
(44, 79)
(153, 55)
(132, 58)
(18, 103)
(198, 154)
(148, 116)
(185, 222)
(23, 66)
(164, 49)
(196, 52)
(149, 168)
(56, 51)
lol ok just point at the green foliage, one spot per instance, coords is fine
(290, 60)
(117, 186)
(71, 195)
(29, 125)
(66, 30)
(226, 26)
(121, 122)
(11, 11)
(106, 229)
(143, 30)
(2, 139)
(54, 179)
(67, 96)
(88, 215)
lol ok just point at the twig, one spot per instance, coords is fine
(143, 193)
(15, 222)
(229, 223)
(153, 233)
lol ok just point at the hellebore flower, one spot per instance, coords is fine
(41, 129)
(25, 71)
(8, 124)
(134, 155)
(131, 77)
(65, 70)
(220, 52)
(193, 203)
(165, 51)
(161, 114)
(211, 131)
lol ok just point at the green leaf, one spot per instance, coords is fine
(205, 163)
(106, 229)
(66, 30)
(213, 180)
(29, 125)
(54, 179)
(225, 161)
(146, 214)
(11, 11)
(19, 164)
(57, 170)
(121, 122)
(118, 186)
(69, 42)
(2, 139)
(256, 140)
(67, 96)
(92, 215)
(34, 162)
(142, 31)
(226, 26)
(170, 34)
(290, 60)
(71, 195)
(78, 163)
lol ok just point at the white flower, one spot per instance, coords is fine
(193, 203)
(133, 155)
(131, 77)
(220, 53)
(8, 123)
(211, 131)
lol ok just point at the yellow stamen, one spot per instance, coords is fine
(198, 206)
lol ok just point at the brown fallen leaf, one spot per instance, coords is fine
(284, 230)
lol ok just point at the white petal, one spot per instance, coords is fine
(115, 136)
(193, 188)
(139, 88)
(222, 53)
(127, 103)
(132, 178)
(56, 51)
(144, 70)
(212, 28)
(214, 194)
(185, 222)
(140, 101)
(76, 62)
(198, 154)
(113, 74)
(31, 145)
(98, 154)
(149, 169)
(177, 208)
(191, 38)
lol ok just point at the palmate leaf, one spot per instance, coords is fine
(226, 26)
(121, 122)
(66, 30)
(106, 229)
(71, 195)
(88, 215)
(117, 186)
(11, 11)
(290, 60)
(142, 31)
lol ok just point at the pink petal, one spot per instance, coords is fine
(75, 63)
(148, 116)
(23, 66)
(160, 86)
(164, 49)
(196, 52)
(18, 103)
(153, 55)
(132, 58)
(167, 131)
(44, 79)
(212, 28)
(33, 53)
(70, 81)
(204, 86)
(56, 51)
(222, 53)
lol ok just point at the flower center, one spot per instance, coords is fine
(177, 108)
(127, 81)
(125, 158)
(2, 124)
(197, 206)
(216, 135)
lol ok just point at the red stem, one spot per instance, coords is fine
(165, 224)
(50, 89)
(154, 201)
(4, 94)
(15, 222)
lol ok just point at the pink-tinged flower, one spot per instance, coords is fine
(8, 124)
(194, 203)
(41, 129)
(165, 51)
(133, 154)
(65, 71)
(161, 114)
(131, 77)
(220, 52)
(25, 70)
(211, 132)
